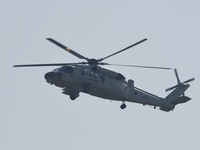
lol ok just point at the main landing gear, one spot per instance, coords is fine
(123, 105)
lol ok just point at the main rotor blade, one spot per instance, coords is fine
(42, 65)
(67, 49)
(150, 67)
(122, 50)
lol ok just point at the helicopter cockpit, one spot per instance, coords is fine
(64, 69)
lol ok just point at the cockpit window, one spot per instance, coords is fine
(61, 69)
(69, 70)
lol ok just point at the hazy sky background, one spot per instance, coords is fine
(35, 115)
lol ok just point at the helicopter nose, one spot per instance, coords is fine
(48, 75)
(58, 75)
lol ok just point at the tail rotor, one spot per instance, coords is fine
(178, 81)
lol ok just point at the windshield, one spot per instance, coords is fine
(61, 69)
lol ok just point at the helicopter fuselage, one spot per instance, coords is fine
(100, 82)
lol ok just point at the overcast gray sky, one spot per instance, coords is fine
(35, 115)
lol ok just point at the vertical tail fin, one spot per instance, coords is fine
(175, 94)
(175, 97)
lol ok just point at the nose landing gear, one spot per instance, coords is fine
(72, 96)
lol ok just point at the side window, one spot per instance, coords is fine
(69, 70)
(102, 78)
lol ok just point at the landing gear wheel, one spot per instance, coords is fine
(123, 106)
(86, 89)
(72, 97)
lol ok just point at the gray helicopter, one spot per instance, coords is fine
(89, 77)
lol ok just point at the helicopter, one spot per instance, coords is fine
(90, 78)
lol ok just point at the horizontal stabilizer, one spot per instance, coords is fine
(182, 99)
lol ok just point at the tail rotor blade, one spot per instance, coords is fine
(189, 80)
(171, 88)
(177, 77)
